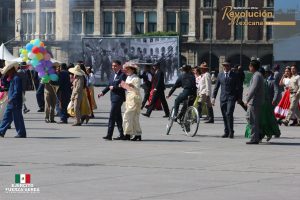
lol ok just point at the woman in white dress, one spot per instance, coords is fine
(131, 117)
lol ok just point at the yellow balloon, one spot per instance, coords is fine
(24, 52)
(31, 41)
(25, 59)
(39, 56)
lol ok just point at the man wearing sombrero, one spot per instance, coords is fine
(13, 110)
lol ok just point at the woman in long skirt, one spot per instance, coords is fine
(131, 118)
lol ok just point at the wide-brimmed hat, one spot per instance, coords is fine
(203, 65)
(267, 68)
(8, 66)
(131, 65)
(77, 71)
(226, 63)
(185, 67)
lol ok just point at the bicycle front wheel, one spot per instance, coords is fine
(170, 121)
(191, 121)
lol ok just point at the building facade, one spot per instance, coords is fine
(7, 21)
(204, 32)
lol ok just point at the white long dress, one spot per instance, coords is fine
(131, 117)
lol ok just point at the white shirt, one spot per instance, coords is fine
(205, 84)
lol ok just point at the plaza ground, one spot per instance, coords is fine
(75, 163)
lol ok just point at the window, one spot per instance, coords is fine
(207, 29)
(77, 22)
(207, 3)
(152, 20)
(269, 30)
(11, 16)
(107, 23)
(184, 23)
(50, 23)
(139, 22)
(270, 3)
(120, 16)
(0, 15)
(239, 31)
(89, 22)
(171, 21)
(239, 3)
(43, 25)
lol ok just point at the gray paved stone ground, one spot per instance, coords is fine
(75, 163)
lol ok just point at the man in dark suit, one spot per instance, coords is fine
(159, 92)
(64, 92)
(229, 83)
(117, 97)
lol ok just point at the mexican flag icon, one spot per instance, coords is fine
(22, 178)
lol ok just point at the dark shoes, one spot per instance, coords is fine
(137, 138)
(2, 135)
(107, 138)
(211, 121)
(286, 123)
(52, 121)
(225, 136)
(252, 142)
(20, 136)
(125, 137)
(76, 124)
(26, 111)
(41, 110)
(62, 122)
(146, 115)
(231, 136)
(166, 116)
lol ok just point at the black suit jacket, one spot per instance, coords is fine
(118, 93)
(230, 88)
(159, 81)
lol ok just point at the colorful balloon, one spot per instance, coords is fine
(39, 56)
(37, 42)
(29, 46)
(47, 56)
(53, 77)
(35, 50)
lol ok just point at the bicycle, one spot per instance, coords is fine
(189, 121)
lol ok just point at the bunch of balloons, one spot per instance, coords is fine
(37, 56)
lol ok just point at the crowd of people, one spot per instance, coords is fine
(272, 99)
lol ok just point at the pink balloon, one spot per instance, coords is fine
(47, 56)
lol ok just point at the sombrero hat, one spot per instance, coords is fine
(8, 66)
(204, 65)
(131, 65)
(76, 71)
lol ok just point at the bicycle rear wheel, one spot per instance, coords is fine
(170, 122)
(191, 121)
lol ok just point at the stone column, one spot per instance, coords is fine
(146, 21)
(97, 17)
(192, 21)
(27, 26)
(178, 22)
(83, 23)
(63, 20)
(19, 21)
(160, 15)
(38, 18)
(128, 18)
(114, 24)
(46, 31)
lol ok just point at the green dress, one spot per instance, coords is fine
(268, 122)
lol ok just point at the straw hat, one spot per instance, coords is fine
(204, 65)
(131, 65)
(8, 66)
(76, 71)
(56, 64)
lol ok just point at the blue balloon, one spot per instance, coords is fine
(37, 42)
(29, 47)
(53, 77)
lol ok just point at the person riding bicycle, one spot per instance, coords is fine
(188, 82)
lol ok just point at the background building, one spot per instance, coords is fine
(62, 24)
(7, 21)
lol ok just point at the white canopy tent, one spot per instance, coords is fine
(5, 54)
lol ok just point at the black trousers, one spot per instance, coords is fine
(40, 96)
(227, 109)
(64, 101)
(147, 91)
(180, 98)
(115, 117)
(159, 95)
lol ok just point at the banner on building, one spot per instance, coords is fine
(101, 51)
